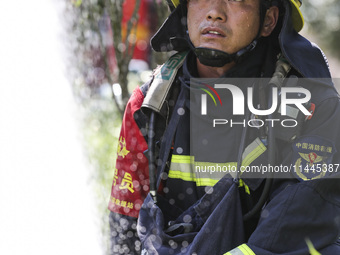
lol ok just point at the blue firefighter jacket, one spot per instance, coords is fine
(202, 215)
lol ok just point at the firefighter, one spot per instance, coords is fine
(184, 211)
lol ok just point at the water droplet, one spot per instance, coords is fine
(180, 111)
(179, 150)
(187, 218)
(209, 190)
(181, 196)
(189, 191)
(185, 244)
(265, 213)
(164, 176)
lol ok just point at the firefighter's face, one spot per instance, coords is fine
(227, 25)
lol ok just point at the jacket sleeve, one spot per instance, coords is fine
(131, 179)
(303, 216)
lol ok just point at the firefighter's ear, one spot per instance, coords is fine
(270, 21)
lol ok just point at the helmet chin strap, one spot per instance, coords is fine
(218, 58)
(213, 57)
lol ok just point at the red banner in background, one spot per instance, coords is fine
(143, 31)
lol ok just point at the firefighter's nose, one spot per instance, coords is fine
(217, 11)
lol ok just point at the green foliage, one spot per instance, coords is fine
(323, 20)
(100, 126)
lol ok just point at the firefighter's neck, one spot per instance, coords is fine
(212, 72)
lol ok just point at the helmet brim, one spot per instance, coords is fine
(297, 17)
(175, 3)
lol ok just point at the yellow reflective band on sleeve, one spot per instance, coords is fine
(182, 159)
(192, 178)
(311, 248)
(183, 176)
(246, 250)
(241, 250)
(252, 152)
(246, 188)
(189, 172)
(185, 167)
